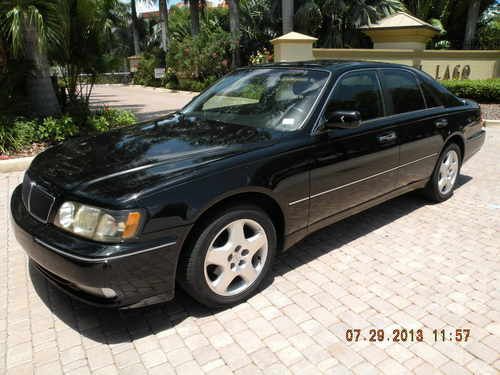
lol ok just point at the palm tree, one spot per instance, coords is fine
(163, 6)
(234, 25)
(340, 19)
(287, 15)
(30, 26)
(135, 28)
(472, 19)
(194, 10)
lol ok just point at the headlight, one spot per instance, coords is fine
(97, 223)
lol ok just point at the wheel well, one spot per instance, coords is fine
(458, 141)
(263, 201)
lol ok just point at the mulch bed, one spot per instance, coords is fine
(491, 111)
(32, 150)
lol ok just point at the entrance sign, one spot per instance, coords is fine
(159, 73)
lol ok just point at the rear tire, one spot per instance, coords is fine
(230, 256)
(443, 180)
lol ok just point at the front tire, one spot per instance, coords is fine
(230, 257)
(443, 180)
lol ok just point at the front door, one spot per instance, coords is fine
(353, 166)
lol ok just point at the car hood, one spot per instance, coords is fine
(123, 162)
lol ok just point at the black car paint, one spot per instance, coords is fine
(178, 168)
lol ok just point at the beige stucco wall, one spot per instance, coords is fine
(399, 45)
(293, 51)
(442, 64)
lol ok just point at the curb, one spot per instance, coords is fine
(15, 165)
(20, 164)
(492, 123)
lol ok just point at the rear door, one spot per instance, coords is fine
(352, 166)
(417, 123)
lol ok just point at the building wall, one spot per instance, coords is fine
(440, 64)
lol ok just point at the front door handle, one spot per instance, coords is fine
(387, 137)
(441, 123)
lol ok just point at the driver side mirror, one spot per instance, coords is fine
(343, 119)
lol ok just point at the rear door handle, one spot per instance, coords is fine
(387, 137)
(441, 123)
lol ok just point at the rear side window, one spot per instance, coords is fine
(402, 92)
(358, 92)
(432, 96)
(445, 97)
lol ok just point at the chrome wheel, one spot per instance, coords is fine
(236, 257)
(448, 172)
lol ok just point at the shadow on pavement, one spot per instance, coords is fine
(114, 326)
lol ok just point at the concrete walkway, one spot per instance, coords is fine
(145, 102)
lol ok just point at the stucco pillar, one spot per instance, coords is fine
(293, 47)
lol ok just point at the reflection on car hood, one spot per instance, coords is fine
(130, 159)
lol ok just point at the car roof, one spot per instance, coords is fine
(333, 65)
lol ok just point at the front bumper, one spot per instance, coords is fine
(110, 275)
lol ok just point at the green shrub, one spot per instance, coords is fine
(484, 91)
(107, 119)
(16, 134)
(7, 140)
(145, 74)
(24, 131)
(203, 58)
(56, 129)
(193, 85)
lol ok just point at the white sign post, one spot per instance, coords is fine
(159, 73)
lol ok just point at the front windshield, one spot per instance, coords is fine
(270, 98)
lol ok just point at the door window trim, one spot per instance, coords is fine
(316, 127)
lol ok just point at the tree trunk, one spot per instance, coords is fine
(234, 25)
(39, 86)
(164, 24)
(470, 28)
(194, 9)
(287, 15)
(135, 31)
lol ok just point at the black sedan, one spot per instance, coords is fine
(206, 197)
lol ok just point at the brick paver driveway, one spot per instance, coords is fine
(404, 264)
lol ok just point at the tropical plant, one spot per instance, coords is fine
(258, 25)
(489, 32)
(203, 57)
(30, 27)
(456, 32)
(340, 20)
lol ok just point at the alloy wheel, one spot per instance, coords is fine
(448, 172)
(236, 257)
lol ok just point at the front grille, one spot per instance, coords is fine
(37, 200)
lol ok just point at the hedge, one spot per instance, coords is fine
(19, 133)
(483, 91)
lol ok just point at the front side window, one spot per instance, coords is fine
(358, 92)
(402, 92)
(272, 98)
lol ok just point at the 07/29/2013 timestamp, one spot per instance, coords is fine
(407, 335)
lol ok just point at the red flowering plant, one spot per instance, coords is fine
(200, 60)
